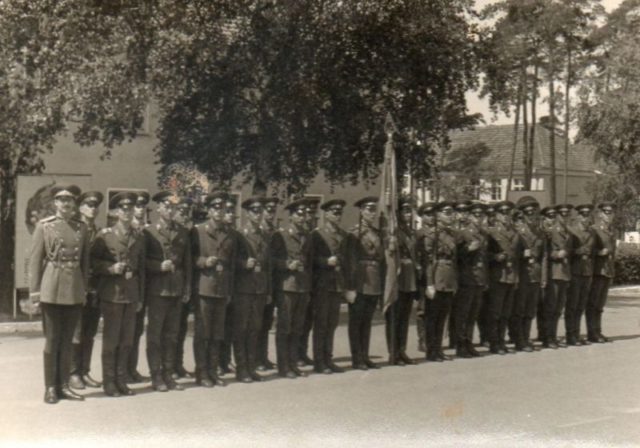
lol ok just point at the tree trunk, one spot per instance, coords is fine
(7, 227)
(552, 137)
(532, 133)
(567, 119)
(525, 130)
(515, 137)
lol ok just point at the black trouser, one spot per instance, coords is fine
(162, 333)
(247, 319)
(499, 311)
(227, 341)
(292, 309)
(525, 306)
(58, 325)
(84, 336)
(555, 300)
(185, 309)
(209, 332)
(577, 298)
(435, 315)
(263, 336)
(360, 318)
(483, 317)
(596, 303)
(420, 320)
(326, 318)
(134, 353)
(118, 332)
(540, 324)
(303, 347)
(466, 308)
(397, 323)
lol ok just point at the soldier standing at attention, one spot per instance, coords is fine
(527, 294)
(269, 227)
(185, 219)
(426, 212)
(140, 221)
(367, 265)
(118, 257)
(584, 240)
(604, 270)
(441, 247)
(504, 254)
(213, 251)
(292, 259)
(312, 223)
(252, 287)
(330, 263)
(87, 327)
(399, 312)
(488, 221)
(473, 278)
(168, 265)
(559, 251)
(230, 220)
(58, 277)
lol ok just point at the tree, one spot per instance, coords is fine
(609, 109)
(59, 60)
(278, 91)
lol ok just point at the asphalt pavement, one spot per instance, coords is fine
(572, 397)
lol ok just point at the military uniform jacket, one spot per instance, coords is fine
(168, 242)
(583, 250)
(531, 267)
(474, 268)
(604, 265)
(559, 238)
(211, 239)
(328, 242)
(367, 261)
(59, 261)
(504, 240)
(114, 245)
(441, 249)
(287, 246)
(253, 244)
(409, 261)
(421, 252)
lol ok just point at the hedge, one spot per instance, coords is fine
(627, 264)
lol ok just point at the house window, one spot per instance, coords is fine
(495, 190)
(517, 185)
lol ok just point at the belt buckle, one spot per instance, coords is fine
(128, 275)
(257, 268)
(219, 267)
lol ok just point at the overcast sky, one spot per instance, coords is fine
(476, 104)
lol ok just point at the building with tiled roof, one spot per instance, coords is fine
(495, 167)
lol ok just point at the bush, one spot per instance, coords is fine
(627, 264)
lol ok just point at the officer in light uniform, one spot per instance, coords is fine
(58, 283)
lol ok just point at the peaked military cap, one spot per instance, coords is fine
(563, 207)
(606, 205)
(588, 207)
(216, 197)
(65, 190)
(122, 198)
(254, 200)
(548, 209)
(331, 203)
(427, 208)
(366, 200)
(463, 206)
(477, 205)
(91, 196)
(297, 204)
(162, 196)
(444, 204)
(232, 199)
(143, 198)
(272, 200)
(406, 202)
(528, 203)
(502, 205)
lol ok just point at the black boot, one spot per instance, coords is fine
(122, 359)
(87, 351)
(75, 380)
(214, 361)
(109, 375)
(50, 394)
(157, 382)
(202, 379)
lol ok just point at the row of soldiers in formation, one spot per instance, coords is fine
(490, 265)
